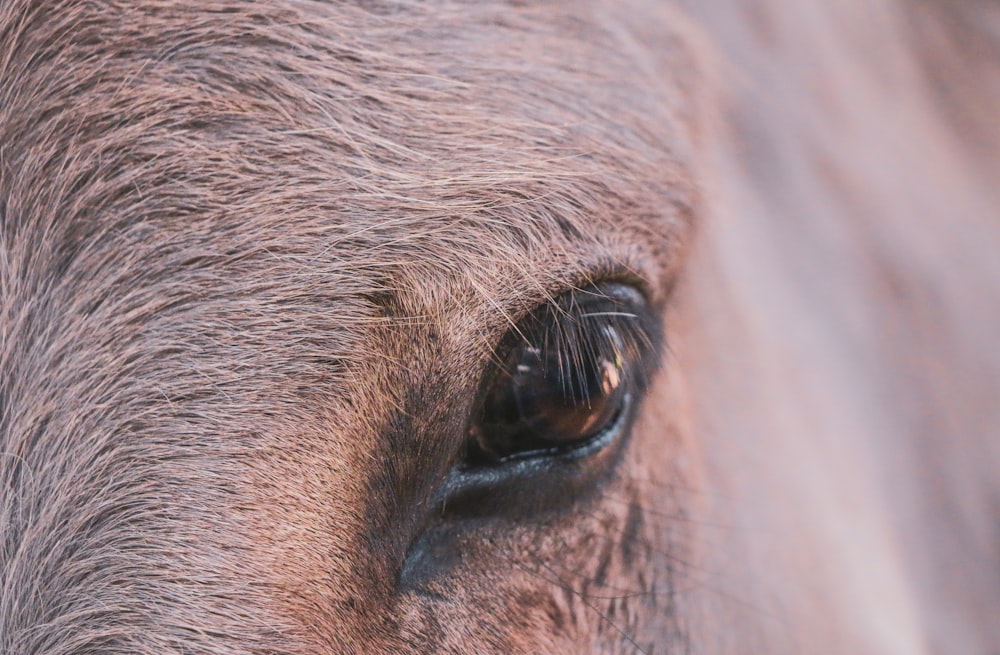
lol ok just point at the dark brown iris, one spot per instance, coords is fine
(566, 377)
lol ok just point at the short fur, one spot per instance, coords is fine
(254, 259)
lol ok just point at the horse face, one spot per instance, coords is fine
(272, 278)
(408, 329)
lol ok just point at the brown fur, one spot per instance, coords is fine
(254, 259)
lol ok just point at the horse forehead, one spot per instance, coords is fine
(377, 148)
(273, 177)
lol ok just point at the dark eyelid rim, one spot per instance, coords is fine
(527, 485)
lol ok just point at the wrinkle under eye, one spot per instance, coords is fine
(566, 375)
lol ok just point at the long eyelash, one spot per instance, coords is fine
(579, 340)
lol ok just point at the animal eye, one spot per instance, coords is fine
(566, 376)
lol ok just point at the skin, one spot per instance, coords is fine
(255, 261)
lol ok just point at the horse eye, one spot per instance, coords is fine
(566, 376)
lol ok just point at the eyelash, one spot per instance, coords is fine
(576, 344)
(565, 375)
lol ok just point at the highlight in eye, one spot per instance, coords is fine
(566, 376)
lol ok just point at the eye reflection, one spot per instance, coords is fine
(567, 377)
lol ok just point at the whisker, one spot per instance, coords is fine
(584, 599)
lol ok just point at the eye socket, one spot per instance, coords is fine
(567, 376)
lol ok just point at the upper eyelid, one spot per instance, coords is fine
(623, 314)
(584, 286)
(565, 304)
